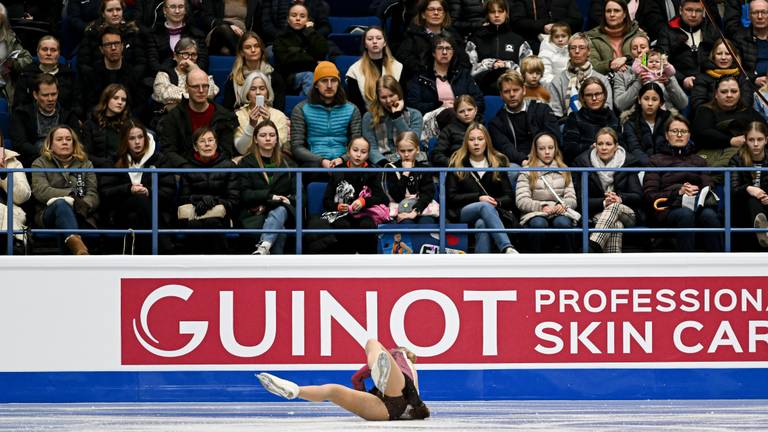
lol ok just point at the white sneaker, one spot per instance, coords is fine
(261, 249)
(380, 371)
(762, 222)
(511, 250)
(278, 386)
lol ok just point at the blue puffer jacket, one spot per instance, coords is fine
(328, 128)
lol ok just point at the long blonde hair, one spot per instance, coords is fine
(376, 109)
(495, 159)
(78, 150)
(534, 161)
(370, 72)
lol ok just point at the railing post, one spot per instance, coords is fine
(442, 210)
(9, 214)
(584, 211)
(155, 187)
(727, 208)
(299, 212)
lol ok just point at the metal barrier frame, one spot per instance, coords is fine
(442, 174)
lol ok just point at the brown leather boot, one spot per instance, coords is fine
(76, 245)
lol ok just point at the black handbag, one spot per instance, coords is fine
(508, 217)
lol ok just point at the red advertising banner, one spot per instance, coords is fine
(319, 321)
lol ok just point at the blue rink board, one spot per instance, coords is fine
(532, 384)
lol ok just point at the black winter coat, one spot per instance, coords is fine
(421, 93)
(539, 117)
(462, 192)
(742, 179)
(746, 43)
(419, 183)
(274, 17)
(580, 130)
(358, 180)
(637, 138)
(497, 42)
(23, 130)
(224, 187)
(299, 51)
(159, 53)
(658, 184)
(704, 87)
(95, 80)
(625, 184)
(467, 15)
(415, 51)
(713, 129)
(672, 40)
(69, 96)
(255, 191)
(451, 138)
(134, 53)
(100, 143)
(530, 17)
(175, 132)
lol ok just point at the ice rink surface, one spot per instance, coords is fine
(667, 416)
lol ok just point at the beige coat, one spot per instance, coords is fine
(529, 201)
(21, 193)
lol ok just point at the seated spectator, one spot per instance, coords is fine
(663, 191)
(643, 125)
(252, 57)
(614, 196)
(209, 199)
(687, 39)
(451, 136)
(515, 125)
(532, 68)
(760, 103)
(719, 64)
(752, 41)
(376, 61)
(170, 86)
(148, 13)
(31, 123)
(415, 50)
(21, 194)
(543, 206)
(101, 132)
(322, 125)
(90, 53)
(468, 16)
(554, 52)
(48, 62)
(584, 123)
(610, 40)
(267, 200)
(127, 197)
(737, 16)
(355, 200)
(162, 39)
(65, 200)
(175, 128)
(78, 15)
(647, 13)
(12, 63)
(437, 88)
(257, 92)
(647, 66)
(718, 129)
(298, 49)
(412, 193)
(750, 200)
(495, 48)
(478, 198)
(564, 88)
(387, 118)
(230, 20)
(535, 18)
(114, 68)
(274, 17)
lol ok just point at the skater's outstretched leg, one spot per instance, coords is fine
(384, 371)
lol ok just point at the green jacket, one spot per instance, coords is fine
(601, 54)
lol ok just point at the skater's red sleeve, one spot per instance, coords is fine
(359, 376)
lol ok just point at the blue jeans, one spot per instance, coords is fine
(60, 215)
(275, 220)
(302, 81)
(538, 242)
(682, 217)
(485, 215)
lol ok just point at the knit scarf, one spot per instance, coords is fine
(576, 75)
(606, 177)
(719, 73)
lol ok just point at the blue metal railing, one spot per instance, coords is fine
(299, 231)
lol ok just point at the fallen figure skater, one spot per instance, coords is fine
(393, 374)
